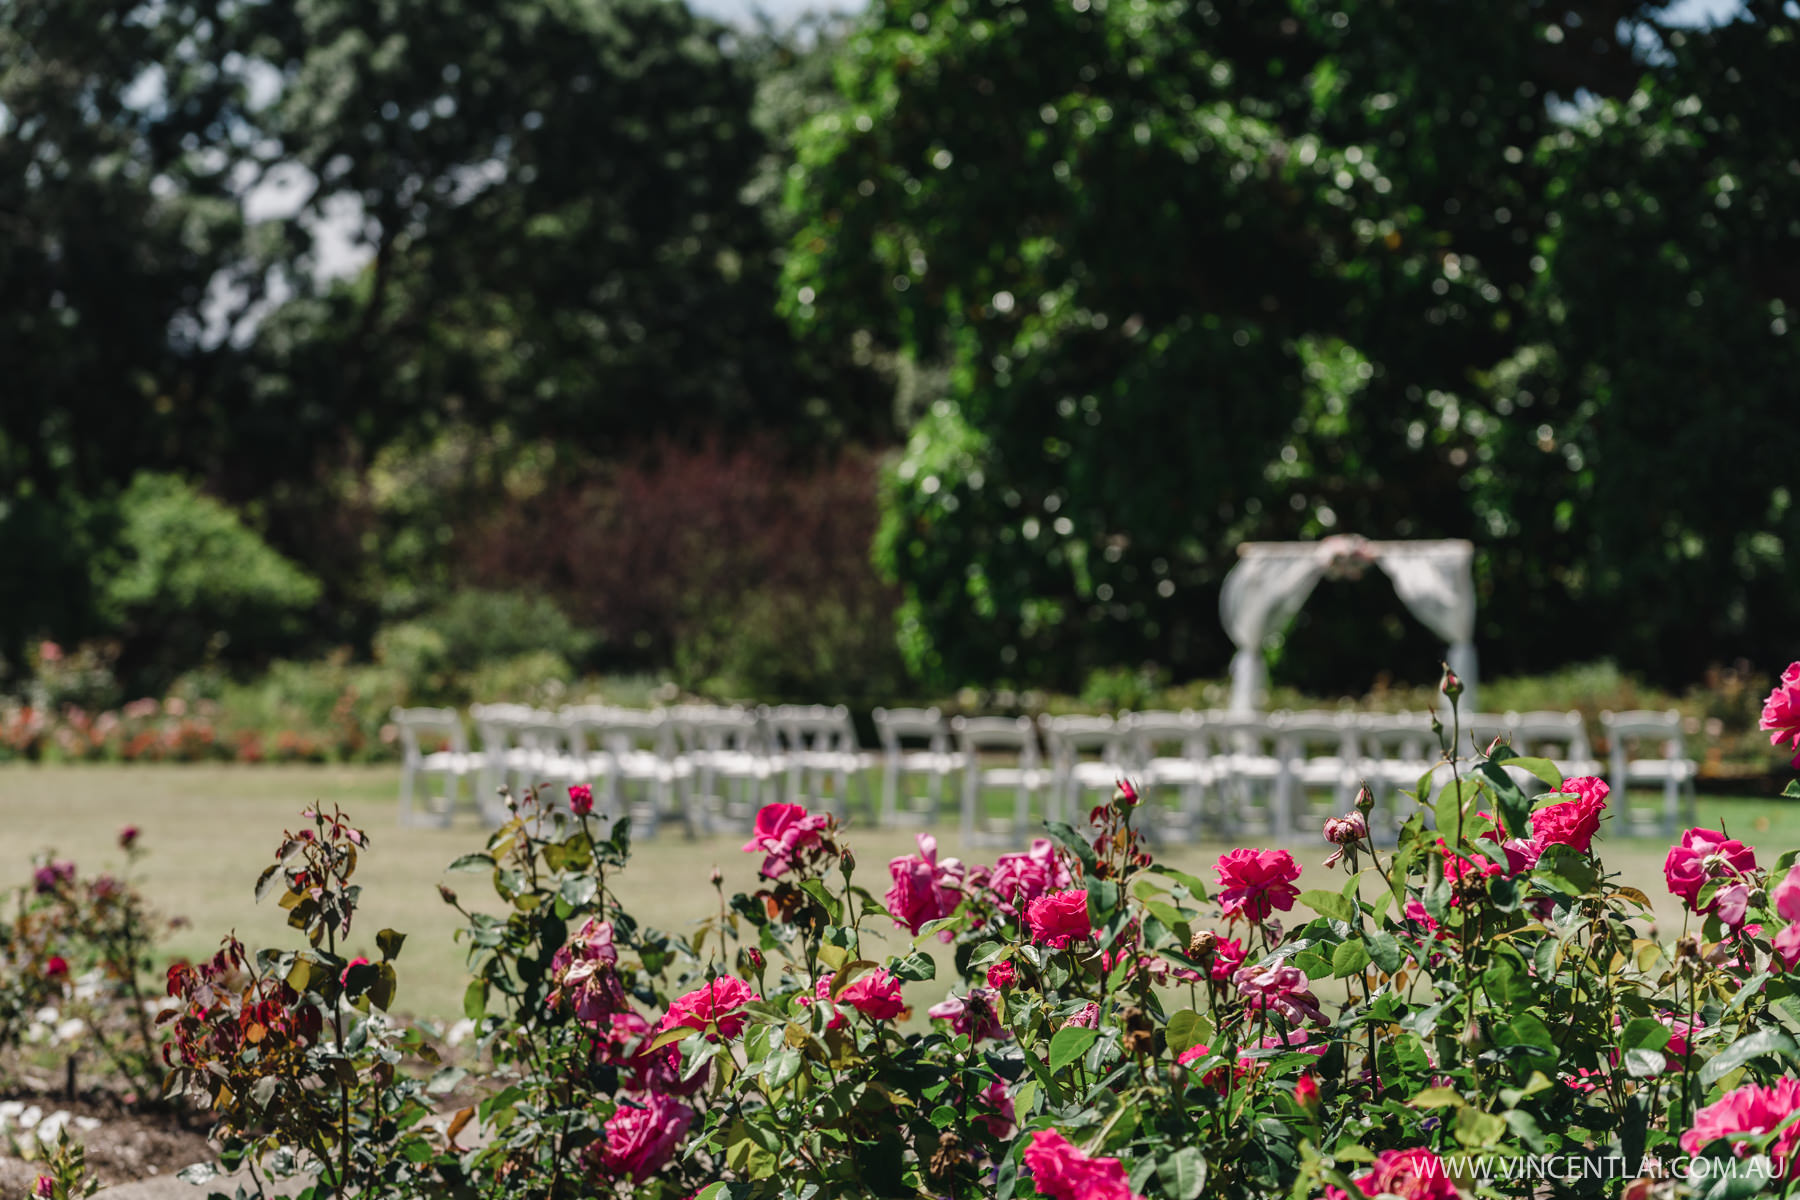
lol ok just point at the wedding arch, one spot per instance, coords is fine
(1264, 592)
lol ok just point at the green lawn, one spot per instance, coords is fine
(209, 831)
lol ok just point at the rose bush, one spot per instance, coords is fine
(1420, 1022)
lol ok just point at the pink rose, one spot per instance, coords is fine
(45, 1187)
(1062, 1172)
(718, 1001)
(1781, 711)
(1786, 895)
(1059, 918)
(1018, 879)
(1085, 1017)
(924, 890)
(783, 833)
(1199, 1052)
(1228, 956)
(1701, 856)
(643, 1136)
(1787, 945)
(1751, 1109)
(57, 967)
(581, 799)
(1280, 988)
(1415, 1174)
(128, 837)
(875, 994)
(1255, 882)
(976, 1015)
(996, 1097)
(1344, 832)
(582, 975)
(1002, 975)
(1575, 822)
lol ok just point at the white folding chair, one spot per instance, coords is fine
(1246, 754)
(644, 773)
(1394, 751)
(817, 744)
(1647, 748)
(502, 754)
(547, 764)
(1013, 740)
(449, 765)
(729, 767)
(1168, 760)
(1560, 737)
(1318, 756)
(915, 745)
(1087, 759)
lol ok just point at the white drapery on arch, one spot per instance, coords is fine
(1264, 592)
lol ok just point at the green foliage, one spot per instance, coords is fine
(1200, 274)
(192, 580)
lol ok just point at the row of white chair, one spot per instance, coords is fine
(708, 766)
(712, 767)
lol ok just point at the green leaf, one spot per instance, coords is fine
(475, 1000)
(1349, 959)
(915, 966)
(389, 942)
(1645, 1032)
(1477, 1129)
(1183, 1173)
(1330, 904)
(1437, 1097)
(1763, 1041)
(1644, 1064)
(1074, 843)
(1384, 951)
(1792, 790)
(472, 862)
(1069, 1044)
(1187, 1029)
(1565, 869)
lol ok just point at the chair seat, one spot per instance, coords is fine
(826, 760)
(1321, 770)
(1177, 770)
(1004, 777)
(1250, 766)
(1097, 774)
(738, 763)
(452, 762)
(1660, 770)
(922, 762)
(644, 764)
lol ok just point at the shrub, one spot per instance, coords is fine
(748, 571)
(191, 582)
(1479, 1000)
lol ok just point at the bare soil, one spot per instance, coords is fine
(126, 1146)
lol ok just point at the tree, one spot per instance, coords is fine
(1199, 273)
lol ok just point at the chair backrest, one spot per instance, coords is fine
(1069, 738)
(625, 730)
(976, 734)
(1396, 737)
(1626, 731)
(1304, 735)
(1243, 734)
(716, 729)
(543, 731)
(897, 726)
(1160, 733)
(415, 723)
(499, 724)
(811, 728)
(1558, 736)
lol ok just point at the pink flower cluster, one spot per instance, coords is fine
(875, 994)
(784, 834)
(1781, 712)
(1752, 1109)
(976, 1015)
(1018, 879)
(1062, 1172)
(1253, 883)
(924, 890)
(1058, 918)
(582, 975)
(1415, 1174)
(1280, 988)
(1703, 857)
(718, 1002)
(641, 1137)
